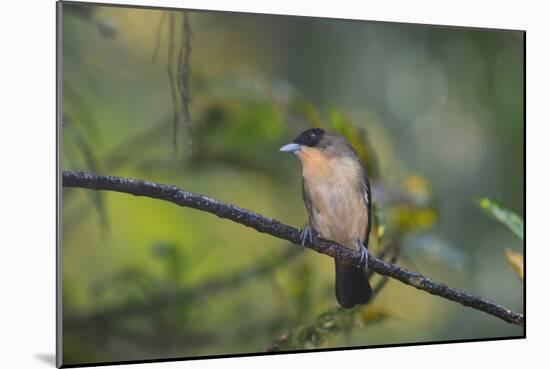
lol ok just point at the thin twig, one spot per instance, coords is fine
(277, 229)
(184, 71)
(172, 78)
(158, 37)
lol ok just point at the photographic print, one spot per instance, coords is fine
(241, 184)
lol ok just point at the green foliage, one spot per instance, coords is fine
(503, 215)
(409, 207)
(299, 294)
(333, 322)
(514, 223)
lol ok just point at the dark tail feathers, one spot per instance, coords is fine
(352, 285)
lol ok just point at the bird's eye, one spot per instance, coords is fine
(310, 137)
(313, 138)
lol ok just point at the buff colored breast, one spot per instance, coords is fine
(334, 189)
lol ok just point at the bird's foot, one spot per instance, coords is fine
(306, 234)
(363, 262)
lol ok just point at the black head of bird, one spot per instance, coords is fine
(318, 140)
(336, 193)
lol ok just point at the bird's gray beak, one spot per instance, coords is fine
(291, 147)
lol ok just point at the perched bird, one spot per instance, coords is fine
(337, 196)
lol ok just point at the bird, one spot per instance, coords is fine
(337, 196)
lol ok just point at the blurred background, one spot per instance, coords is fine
(203, 100)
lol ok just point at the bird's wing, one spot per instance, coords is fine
(306, 201)
(368, 203)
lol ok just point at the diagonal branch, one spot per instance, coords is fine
(277, 229)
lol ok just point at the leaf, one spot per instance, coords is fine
(503, 215)
(418, 188)
(380, 231)
(333, 321)
(408, 218)
(516, 261)
(372, 315)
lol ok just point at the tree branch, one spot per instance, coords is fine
(166, 299)
(332, 321)
(277, 229)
